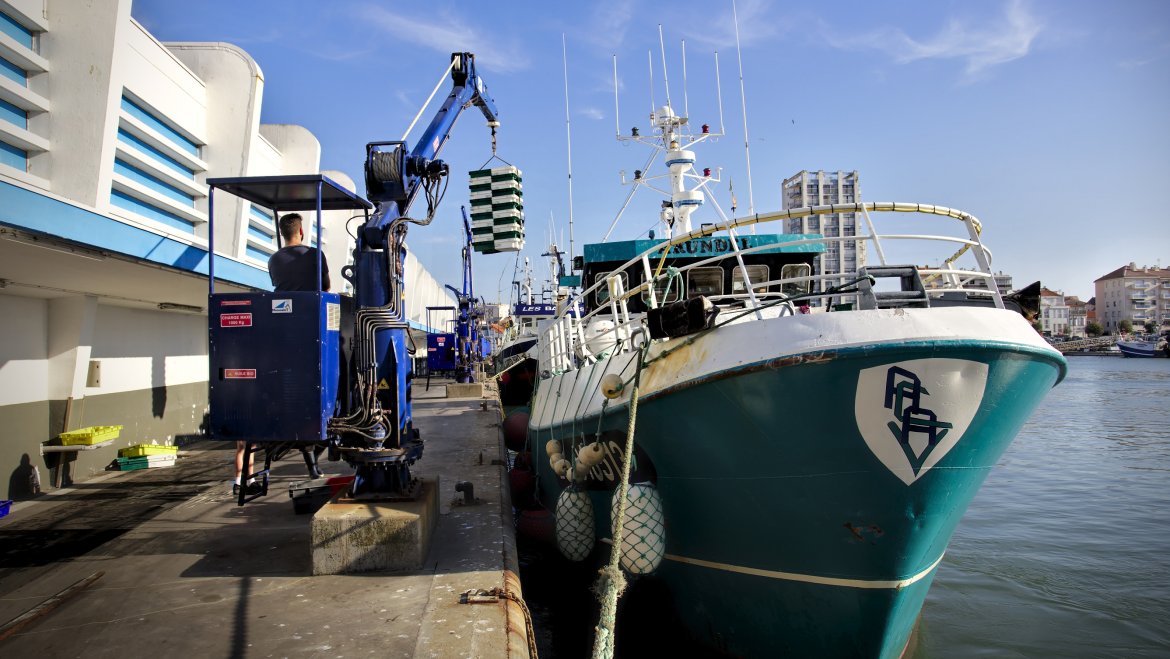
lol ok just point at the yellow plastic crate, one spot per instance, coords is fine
(91, 435)
(140, 450)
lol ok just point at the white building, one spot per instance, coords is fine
(1054, 313)
(107, 138)
(1139, 295)
(821, 188)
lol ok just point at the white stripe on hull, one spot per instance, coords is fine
(804, 578)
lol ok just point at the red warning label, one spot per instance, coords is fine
(235, 320)
(239, 374)
(235, 303)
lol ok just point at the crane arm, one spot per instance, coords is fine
(394, 175)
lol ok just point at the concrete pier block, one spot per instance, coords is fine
(368, 536)
(472, 390)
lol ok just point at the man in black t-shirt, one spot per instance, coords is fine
(294, 266)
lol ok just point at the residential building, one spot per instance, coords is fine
(1003, 282)
(1078, 316)
(1054, 313)
(818, 189)
(1136, 294)
(107, 139)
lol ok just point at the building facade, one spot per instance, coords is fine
(107, 139)
(1078, 316)
(821, 188)
(1054, 313)
(1139, 295)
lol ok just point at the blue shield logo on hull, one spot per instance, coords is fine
(912, 413)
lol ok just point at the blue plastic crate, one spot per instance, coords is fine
(4, 506)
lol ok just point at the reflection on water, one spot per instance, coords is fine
(1065, 552)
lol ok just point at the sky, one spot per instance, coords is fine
(1047, 119)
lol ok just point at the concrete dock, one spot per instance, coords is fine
(184, 572)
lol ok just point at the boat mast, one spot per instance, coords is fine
(569, 140)
(743, 103)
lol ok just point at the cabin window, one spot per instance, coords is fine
(676, 291)
(705, 281)
(756, 273)
(793, 270)
(602, 293)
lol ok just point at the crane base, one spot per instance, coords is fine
(366, 536)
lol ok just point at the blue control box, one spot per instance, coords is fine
(273, 365)
(441, 352)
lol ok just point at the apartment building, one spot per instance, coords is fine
(1078, 316)
(1139, 295)
(820, 188)
(1054, 313)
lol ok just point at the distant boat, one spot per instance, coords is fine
(1149, 347)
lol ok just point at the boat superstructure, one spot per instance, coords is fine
(802, 453)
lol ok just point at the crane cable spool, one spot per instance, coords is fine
(386, 166)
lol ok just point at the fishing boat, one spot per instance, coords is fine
(515, 359)
(803, 445)
(1155, 346)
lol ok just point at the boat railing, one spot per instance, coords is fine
(610, 327)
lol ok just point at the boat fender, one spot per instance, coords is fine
(516, 429)
(611, 385)
(522, 486)
(581, 471)
(552, 447)
(574, 524)
(562, 468)
(591, 454)
(644, 531)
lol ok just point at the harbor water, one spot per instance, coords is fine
(1065, 552)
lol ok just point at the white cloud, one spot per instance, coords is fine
(446, 33)
(755, 25)
(608, 24)
(591, 113)
(1009, 37)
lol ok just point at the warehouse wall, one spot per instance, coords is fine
(153, 380)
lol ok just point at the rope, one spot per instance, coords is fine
(612, 583)
(495, 157)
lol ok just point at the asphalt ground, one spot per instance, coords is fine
(185, 572)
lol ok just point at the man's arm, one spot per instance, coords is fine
(324, 273)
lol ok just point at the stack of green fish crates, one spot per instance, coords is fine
(497, 210)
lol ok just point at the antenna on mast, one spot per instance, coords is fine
(650, 60)
(665, 77)
(568, 140)
(686, 109)
(743, 102)
(719, 93)
(617, 122)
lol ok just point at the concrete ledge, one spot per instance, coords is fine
(473, 390)
(369, 536)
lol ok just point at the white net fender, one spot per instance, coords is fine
(574, 525)
(644, 535)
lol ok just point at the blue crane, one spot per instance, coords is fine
(350, 395)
